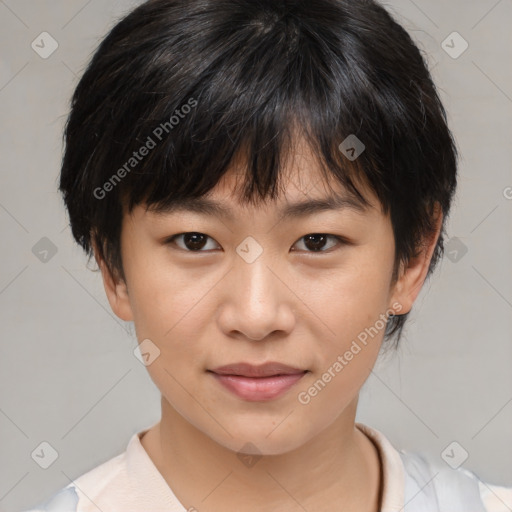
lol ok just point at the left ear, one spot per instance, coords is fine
(412, 275)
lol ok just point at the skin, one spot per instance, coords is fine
(296, 306)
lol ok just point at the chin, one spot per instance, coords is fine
(263, 439)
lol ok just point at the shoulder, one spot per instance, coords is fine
(457, 490)
(497, 498)
(65, 500)
(82, 493)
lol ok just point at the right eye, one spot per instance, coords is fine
(190, 241)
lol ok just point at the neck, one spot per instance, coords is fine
(339, 466)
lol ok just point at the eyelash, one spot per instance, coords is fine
(341, 241)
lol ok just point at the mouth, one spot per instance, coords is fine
(258, 383)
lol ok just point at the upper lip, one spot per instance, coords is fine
(262, 370)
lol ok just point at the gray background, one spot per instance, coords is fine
(68, 373)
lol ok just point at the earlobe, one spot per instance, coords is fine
(115, 289)
(412, 274)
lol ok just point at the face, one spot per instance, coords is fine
(310, 290)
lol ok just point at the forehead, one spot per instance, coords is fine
(303, 190)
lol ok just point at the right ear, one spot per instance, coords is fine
(115, 288)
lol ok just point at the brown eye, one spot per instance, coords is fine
(191, 242)
(199, 242)
(316, 242)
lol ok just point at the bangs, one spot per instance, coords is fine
(277, 99)
(210, 82)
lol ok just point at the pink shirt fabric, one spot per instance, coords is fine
(130, 482)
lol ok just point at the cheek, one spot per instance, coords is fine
(168, 310)
(354, 296)
(352, 309)
(162, 297)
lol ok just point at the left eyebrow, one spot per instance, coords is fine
(211, 207)
(330, 203)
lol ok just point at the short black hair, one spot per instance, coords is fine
(199, 82)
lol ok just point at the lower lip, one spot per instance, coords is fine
(258, 389)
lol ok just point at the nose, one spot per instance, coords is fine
(256, 301)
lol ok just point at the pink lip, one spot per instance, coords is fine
(258, 383)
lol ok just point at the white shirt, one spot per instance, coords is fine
(130, 482)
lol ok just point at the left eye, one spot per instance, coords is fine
(196, 242)
(317, 241)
